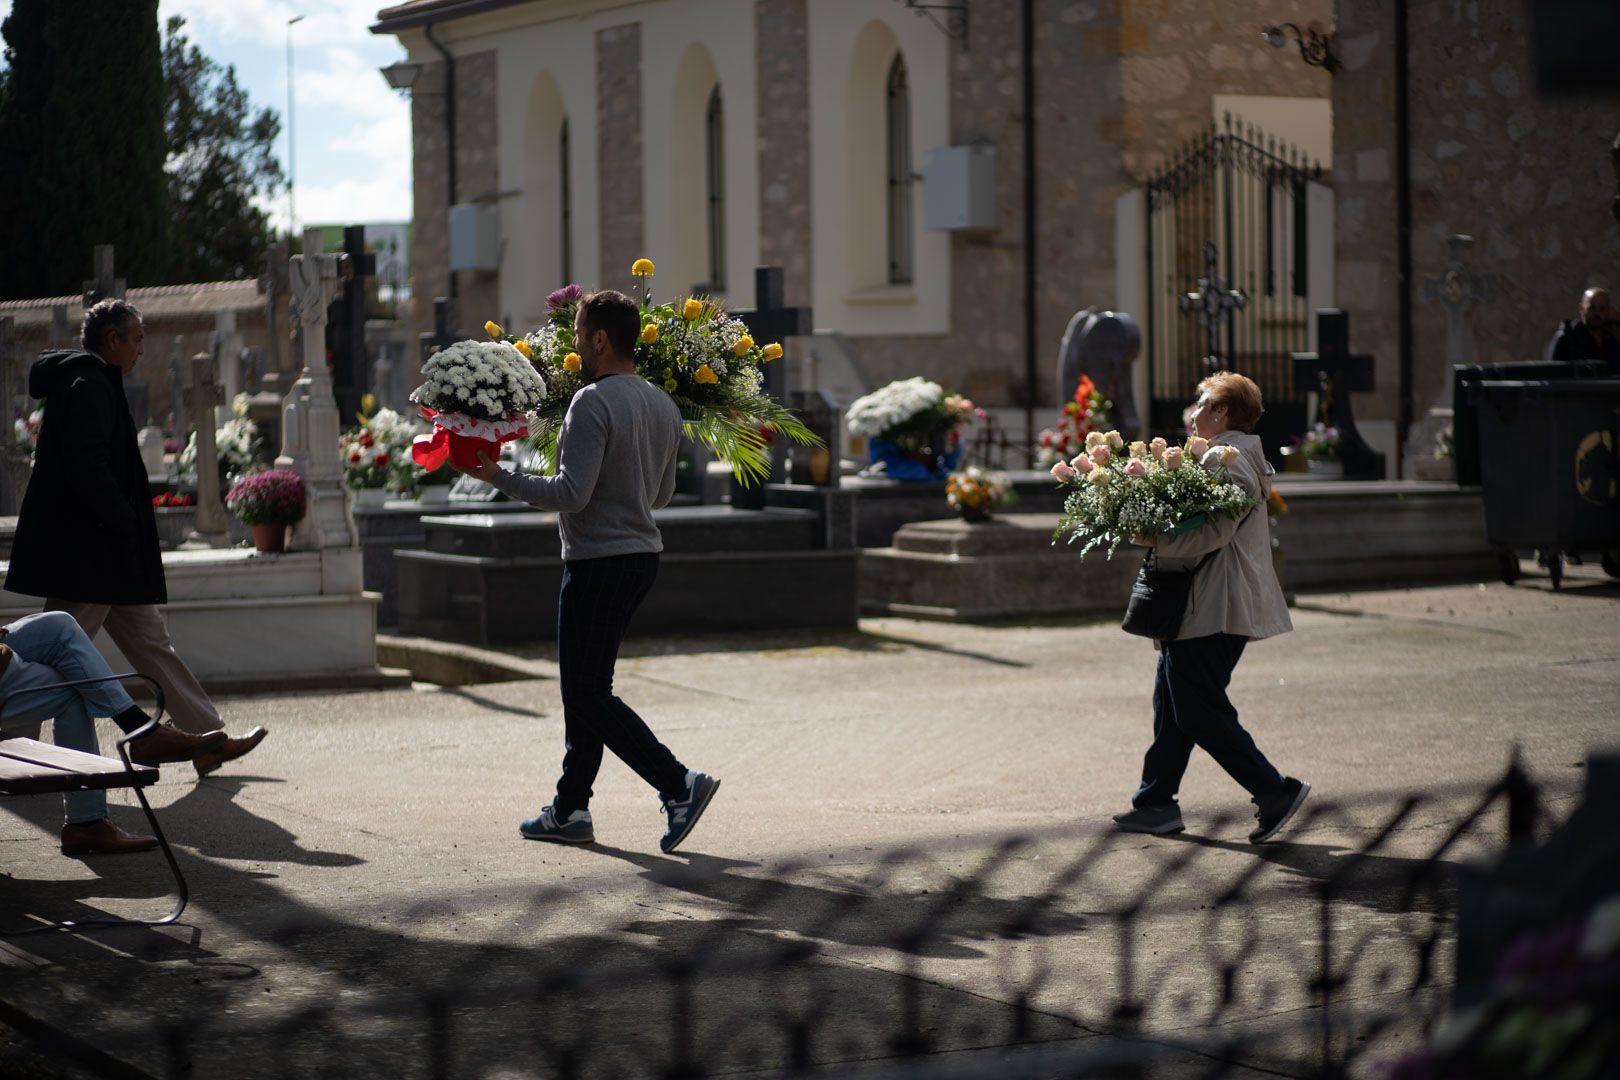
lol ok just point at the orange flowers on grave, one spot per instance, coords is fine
(705, 375)
(571, 362)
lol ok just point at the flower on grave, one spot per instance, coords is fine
(237, 445)
(1082, 463)
(272, 497)
(1100, 454)
(744, 346)
(916, 414)
(773, 351)
(977, 492)
(1136, 468)
(705, 375)
(642, 268)
(1321, 443)
(649, 333)
(493, 329)
(1062, 470)
(571, 363)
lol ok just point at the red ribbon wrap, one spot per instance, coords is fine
(433, 450)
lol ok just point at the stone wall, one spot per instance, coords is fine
(783, 71)
(1528, 178)
(618, 110)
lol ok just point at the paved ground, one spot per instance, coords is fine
(366, 854)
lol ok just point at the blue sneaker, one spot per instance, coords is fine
(545, 826)
(685, 811)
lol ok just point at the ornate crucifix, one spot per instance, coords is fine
(1458, 290)
(1214, 303)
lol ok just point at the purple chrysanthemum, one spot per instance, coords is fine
(568, 294)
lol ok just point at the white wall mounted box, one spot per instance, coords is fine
(959, 187)
(475, 237)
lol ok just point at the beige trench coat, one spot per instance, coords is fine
(1237, 591)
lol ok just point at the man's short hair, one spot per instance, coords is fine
(103, 317)
(1241, 396)
(616, 314)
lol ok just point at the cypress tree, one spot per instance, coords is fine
(24, 86)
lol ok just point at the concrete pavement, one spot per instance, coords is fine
(367, 854)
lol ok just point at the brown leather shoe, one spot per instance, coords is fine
(166, 743)
(103, 838)
(233, 749)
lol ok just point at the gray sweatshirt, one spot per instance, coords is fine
(615, 466)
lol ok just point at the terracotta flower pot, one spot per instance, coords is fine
(270, 538)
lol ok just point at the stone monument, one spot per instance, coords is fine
(211, 526)
(1103, 345)
(1458, 290)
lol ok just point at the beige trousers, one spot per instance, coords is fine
(143, 637)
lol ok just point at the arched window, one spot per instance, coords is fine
(898, 132)
(715, 153)
(565, 208)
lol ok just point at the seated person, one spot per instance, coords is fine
(1593, 336)
(41, 651)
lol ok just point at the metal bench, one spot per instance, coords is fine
(31, 767)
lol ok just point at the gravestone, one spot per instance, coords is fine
(226, 344)
(1103, 345)
(58, 336)
(282, 365)
(1335, 373)
(177, 398)
(309, 416)
(1214, 303)
(1458, 290)
(203, 394)
(770, 319)
(816, 465)
(446, 315)
(346, 325)
(14, 452)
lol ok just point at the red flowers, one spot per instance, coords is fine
(171, 498)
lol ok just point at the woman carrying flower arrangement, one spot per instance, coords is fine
(615, 458)
(1235, 599)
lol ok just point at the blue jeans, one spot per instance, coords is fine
(593, 610)
(1190, 708)
(51, 649)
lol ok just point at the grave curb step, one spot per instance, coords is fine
(451, 663)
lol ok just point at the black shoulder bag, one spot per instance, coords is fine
(1158, 600)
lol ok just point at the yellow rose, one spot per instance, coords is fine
(744, 344)
(1116, 441)
(649, 333)
(571, 362)
(773, 351)
(1139, 449)
(523, 347)
(705, 375)
(1095, 439)
(642, 268)
(493, 329)
(1099, 477)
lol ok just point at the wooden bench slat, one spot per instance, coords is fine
(28, 766)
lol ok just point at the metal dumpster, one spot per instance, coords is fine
(1550, 468)
(1465, 426)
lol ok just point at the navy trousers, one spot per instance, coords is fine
(1190, 708)
(597, 600)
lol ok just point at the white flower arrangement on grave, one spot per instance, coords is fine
(915, 414)
(478, 394)
(377, 454)
(1147, 489)
(236, 442)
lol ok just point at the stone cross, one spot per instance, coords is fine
(1458, 290)
(1214, 303)
(770, 320)
(1335, 373)
(309, 415)
(226, 344)
(14, 467)
(351, 375)
(104, 285)
(202, 394)
(57, 337)
(177, 385)
(277, 321)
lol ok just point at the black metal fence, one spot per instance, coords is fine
(1057, 953)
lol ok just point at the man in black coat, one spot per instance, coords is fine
(87, 537)
(1593, 336)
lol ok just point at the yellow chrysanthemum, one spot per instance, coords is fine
(705, 375)
(691, 309)
(523, 347)
(642, 268)
(773, 351)
(649, 333)
(571, 362)
(493, 329)
(744, 344)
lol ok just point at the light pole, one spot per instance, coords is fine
(292, 141)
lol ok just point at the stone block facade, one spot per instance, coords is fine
(783, 70)
(618, 111)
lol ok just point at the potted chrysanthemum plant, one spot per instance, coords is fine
(478, 395)
(269, 502)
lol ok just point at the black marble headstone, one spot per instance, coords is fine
(1335, 373)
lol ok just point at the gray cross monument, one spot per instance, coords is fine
(309, 416)
(14, 468)
(1214, 303)
(1459, 290)
(202, 394)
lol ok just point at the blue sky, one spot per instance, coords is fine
(354, 133)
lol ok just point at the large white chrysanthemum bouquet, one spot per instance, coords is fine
(478, 394)
(1145, 489)
(916, 414)
(693, 350)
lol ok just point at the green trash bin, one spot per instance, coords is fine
(1464, 424)
(1550, 467)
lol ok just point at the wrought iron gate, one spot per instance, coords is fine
(1246, 193)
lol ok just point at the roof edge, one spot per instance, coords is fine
(450, 9)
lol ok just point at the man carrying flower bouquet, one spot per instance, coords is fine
(615, 466)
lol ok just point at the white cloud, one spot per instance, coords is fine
(385, 197)
(265, 21)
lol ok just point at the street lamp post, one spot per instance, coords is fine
(292, 141)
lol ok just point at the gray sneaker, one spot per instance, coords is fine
(1277, 811)
(684, 812)
(546, 826)
(1158, 820)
